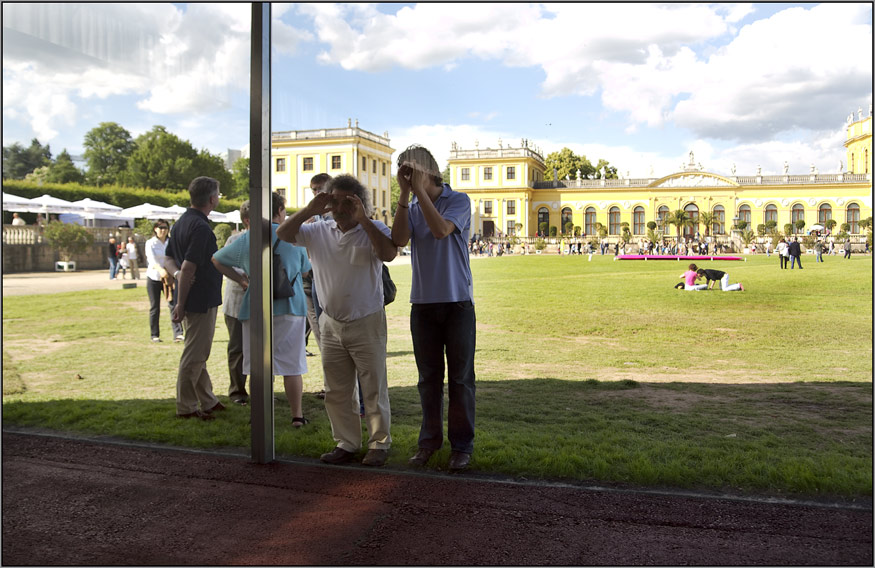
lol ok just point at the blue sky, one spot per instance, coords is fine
(637, 84)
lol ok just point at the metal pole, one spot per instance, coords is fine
(260, 296)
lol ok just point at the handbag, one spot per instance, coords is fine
(282, 288)
(389, 288)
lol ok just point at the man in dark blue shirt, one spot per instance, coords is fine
(190, 249)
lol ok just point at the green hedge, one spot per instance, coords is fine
(117, 195)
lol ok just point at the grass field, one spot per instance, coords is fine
(594, 371)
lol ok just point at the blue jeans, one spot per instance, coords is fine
(794, 260)
(435, 327)
(113, 267)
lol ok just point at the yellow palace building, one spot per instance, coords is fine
(511, 197)
(298, 155)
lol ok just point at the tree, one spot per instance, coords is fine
(800, 224)
(161, 161)
(788, 228)
(240, 175)
(567, 163)
(770, 225)
(68, 238)
(610, 171)
(395, 194)
(831, 224)
(64, 171)
(19, 161)
(707, 219)
(108, 147)
(680, 219)
(445, 175)
(206, 164)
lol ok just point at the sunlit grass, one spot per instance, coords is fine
(596, 371)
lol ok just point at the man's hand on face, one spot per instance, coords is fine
(358, 209)
(319, 204)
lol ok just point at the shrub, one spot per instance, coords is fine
(770, 225)
(68, 239)
(222, 232)
(742, 225)
(553, 230)
(540, 244)
(761, 230)
(542, 228)
(651, 225)
(788, 229)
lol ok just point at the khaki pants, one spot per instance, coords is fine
(348, 348)
(193, 383)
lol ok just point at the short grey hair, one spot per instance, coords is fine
(348, 182)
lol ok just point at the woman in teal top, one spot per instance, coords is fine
(289, 314)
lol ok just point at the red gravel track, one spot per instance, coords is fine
(77, 502)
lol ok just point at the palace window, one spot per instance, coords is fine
(281, 191)
(374, 166)
(487, 173)
(335, 162)
(797, 213)
(566, 218)
(308, 165)
(693, 213)
(543, 220)
(511, 228)
(589, 221)
(280, 164)
(824, 213)
(661, 216)
(638, 221)
(384, 168)
(744, 214)
(511, 172)
(718, 224)
(614, 221)
(487, 207)
(511, 207)
(852, 214)
(364, 164)
(466, 174)
(770, 214)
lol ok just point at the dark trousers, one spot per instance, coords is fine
(156, 293)
(237, 389)
(436, 328)
(784, 260)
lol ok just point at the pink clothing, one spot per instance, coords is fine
(690, 277)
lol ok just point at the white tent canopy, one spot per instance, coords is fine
(48, 204)
(16, 203)
(147, 211)
(96, 219)
(88, 204)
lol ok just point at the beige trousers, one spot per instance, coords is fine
(348, 348)
(193, 383)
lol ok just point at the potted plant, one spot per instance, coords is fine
(747, 237)
(800, 225)
(68, 239)
(540, 245)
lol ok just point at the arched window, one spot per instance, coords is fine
(543, 217)
(638, 221)
(852, 214)
(771, 213)
(614, 221)
(589, 221)
(692, 211)
(718, 224)
(744, 214)
(661, 216)
(566, 218)
(797, 213)
(824, 213)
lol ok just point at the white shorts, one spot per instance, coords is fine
(289, 357)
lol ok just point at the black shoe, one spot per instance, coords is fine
(309, 354)
(218, 406)
(421, 457)
(375, 458)
(459, 461)
(197, 414)
(337, 456)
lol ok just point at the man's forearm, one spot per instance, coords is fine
(186, 276)
(401, 224)
(288, 229)
(386, 249)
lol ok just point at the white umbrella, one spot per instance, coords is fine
(816, 227)
(146, 210)
(49, 204)
(97, 206)
(217, 217)
(176, 211)
(234, 217)
(16, 203)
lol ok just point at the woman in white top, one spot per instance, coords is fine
(158, 282)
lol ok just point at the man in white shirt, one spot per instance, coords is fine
(231, 309)
(131, 249)
(17, 221)
(347, 253)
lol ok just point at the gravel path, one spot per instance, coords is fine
(72, 502)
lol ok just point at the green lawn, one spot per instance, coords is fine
(594, 371)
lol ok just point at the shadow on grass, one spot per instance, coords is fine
(801, 439)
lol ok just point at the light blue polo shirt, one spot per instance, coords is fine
(294, 260)
(441, 269)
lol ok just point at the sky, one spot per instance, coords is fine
(640, 85)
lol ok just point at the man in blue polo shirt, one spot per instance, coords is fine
(437, 223)
(190, 250)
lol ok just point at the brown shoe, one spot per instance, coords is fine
(421, 457)
(337, 456)
(197, 414)
(218, 406)
(459, 461)
(375, 457)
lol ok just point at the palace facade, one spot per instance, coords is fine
(298, 155)
(510, 195)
